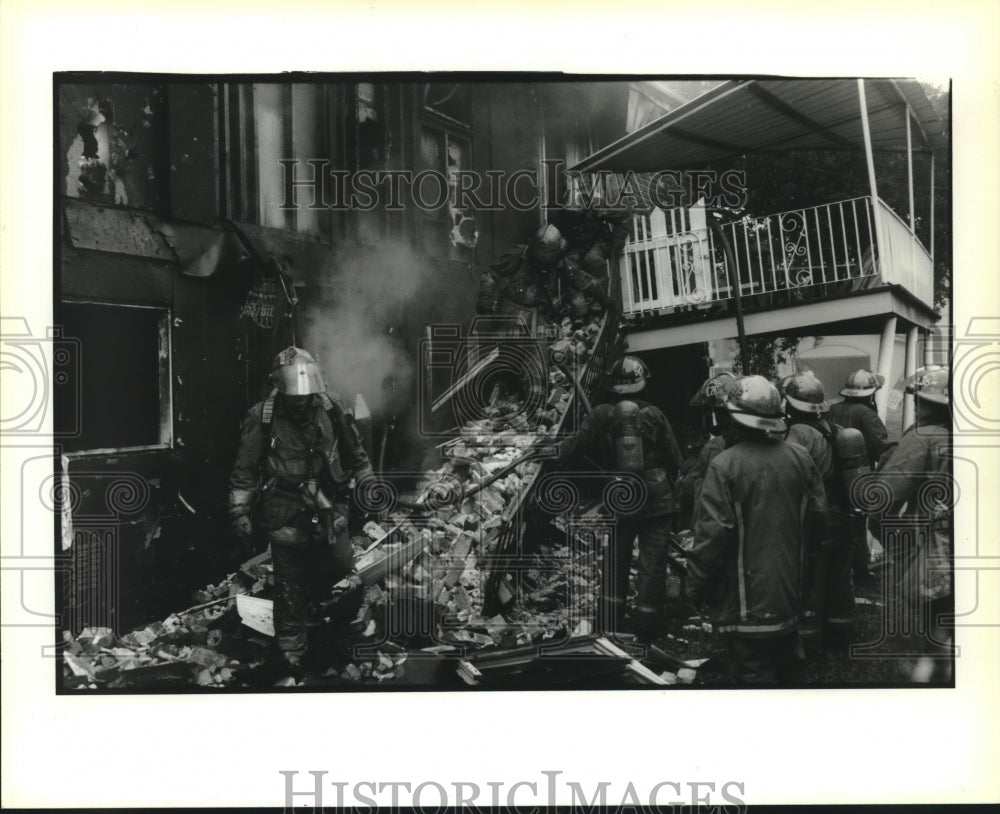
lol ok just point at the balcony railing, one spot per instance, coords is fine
(802, 252)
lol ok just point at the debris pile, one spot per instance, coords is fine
(419, 567)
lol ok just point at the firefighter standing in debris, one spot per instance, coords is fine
(534, 284)
(918, 479)
(593, 236)
(298, 450)
(538, 283)
(760, 505)
(829, 612)
(630, 435)
(710, 402)
(857, 411)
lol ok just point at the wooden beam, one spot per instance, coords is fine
(393, 561)
(480, 366)
(459, 552)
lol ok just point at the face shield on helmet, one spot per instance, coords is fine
(628, 375)
(546, 246)
(804, 392)
(295, 372)
(862, 383)
(755, 403)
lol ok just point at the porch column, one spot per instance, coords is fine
(932, 208)
(882, 249)
(885, 348)
(909, 369)
(909, 189)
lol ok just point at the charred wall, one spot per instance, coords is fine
(145, 174)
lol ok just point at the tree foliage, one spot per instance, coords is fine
(799, 179)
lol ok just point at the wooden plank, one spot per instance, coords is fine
(644, 674)
(460, 550)
(393, 561)
(480, 366)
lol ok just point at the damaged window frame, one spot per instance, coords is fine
(304, 130)
(451, 130)
(164, 381)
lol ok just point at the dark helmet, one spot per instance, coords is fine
(804, 393)
(295, 372)
(712, 393)
(755, 403)
(862, 383)
(546, 246)
(628, 375)
(931, 383)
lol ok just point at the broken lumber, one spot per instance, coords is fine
(459, 551)
(392, 561)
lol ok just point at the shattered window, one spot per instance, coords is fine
(266, 122)
(114, 144)
(369, 136)
(451, 230)
(450, 100)
(122, 379)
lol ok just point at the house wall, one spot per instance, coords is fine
(142, 181)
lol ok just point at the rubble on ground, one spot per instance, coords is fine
(427, 558)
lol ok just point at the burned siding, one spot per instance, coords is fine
(193, 152)
(113, 140)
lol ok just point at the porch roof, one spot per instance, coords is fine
(775, 116)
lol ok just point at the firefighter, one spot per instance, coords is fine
(298, 450)
(857, 411)
(533, 287)
(593, 236)
(917, 476)
(760, 505)
(829, 611)
(629, 435)
(538, 283)
(709, 401)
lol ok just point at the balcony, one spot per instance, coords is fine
(673, 263)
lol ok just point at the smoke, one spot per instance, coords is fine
(354, 326)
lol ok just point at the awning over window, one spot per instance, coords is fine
(775, 116)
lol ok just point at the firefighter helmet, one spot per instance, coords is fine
(295, 372)
(804, 393)
(931, 383)
(755, 403)
(546, 246)
(628, 375)
(712, 393)
(862, 383)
